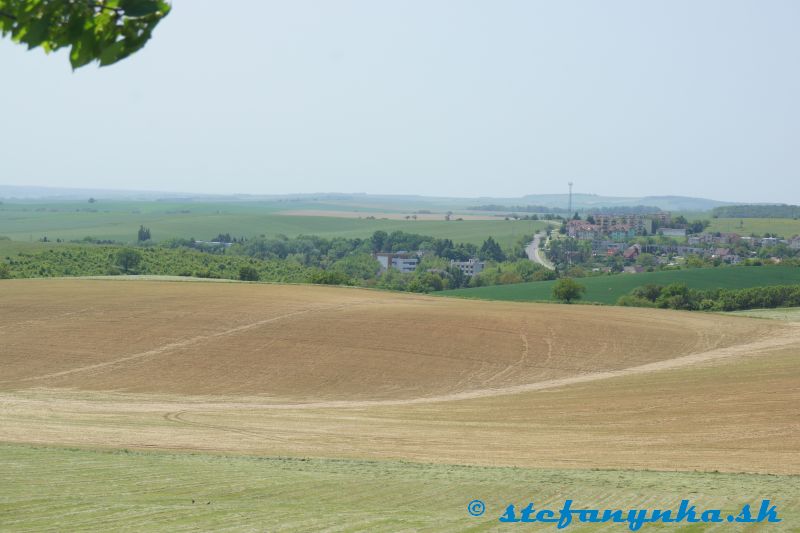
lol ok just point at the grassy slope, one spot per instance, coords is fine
(785, 227)
(12, 248)
(607, 289)
(25, 223)
(69, 489)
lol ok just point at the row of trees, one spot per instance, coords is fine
(313, 259)
(153, 260)
(355, 255)
(679, 296)
(340, 261)
(757, 211)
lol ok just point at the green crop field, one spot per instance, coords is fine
(120, 221)
(73, 490)
(607, 289)
(9, 248)
(785, 227)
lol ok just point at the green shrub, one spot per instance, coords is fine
(629, 300)
(248, 273)
(567, 289)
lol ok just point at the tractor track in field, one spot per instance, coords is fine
(776, 340)
(167, 348)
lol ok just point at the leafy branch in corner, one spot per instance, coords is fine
(105, 31)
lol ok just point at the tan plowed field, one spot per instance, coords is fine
(301, 343)
(322, 371)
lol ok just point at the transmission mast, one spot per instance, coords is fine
(570, 199)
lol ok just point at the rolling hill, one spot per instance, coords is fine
(380, 411)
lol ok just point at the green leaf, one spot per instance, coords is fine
(112, 54)
(139, 8)
(82, 52)
(37, 33)
(90, 28)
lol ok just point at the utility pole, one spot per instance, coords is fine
(570, 199)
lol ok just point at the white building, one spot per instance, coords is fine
(469, 267)
(672, 232)
(402, 261)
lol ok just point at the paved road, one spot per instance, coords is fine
(535, 254)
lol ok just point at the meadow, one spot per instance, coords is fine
(608, 289)
(783, 227)
(119, 221)
(9, 248)
(76, 489)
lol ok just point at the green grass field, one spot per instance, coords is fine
(75, 490)
(785, 227)
(607, 289)
(10, 248)
(120, 221)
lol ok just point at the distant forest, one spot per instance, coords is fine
(757, 211)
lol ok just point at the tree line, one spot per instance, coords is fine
(757, 211)
(679, 296)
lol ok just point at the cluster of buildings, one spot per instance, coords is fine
(735, 238)
(407, 262)
(618, 228)
(607, 230)
(713, 246)
(673, 255)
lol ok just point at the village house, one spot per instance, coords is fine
(470, 267)
(642, 223)
(402, 261)
(622, 232)
(672, 232)
(726, 255)
(632, 252)
(609, 248)
(713, 238)
(582, 230)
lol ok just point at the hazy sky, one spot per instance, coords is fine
(457, 98)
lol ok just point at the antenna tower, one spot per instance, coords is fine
(570, 198)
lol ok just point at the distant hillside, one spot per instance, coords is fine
(588, 201)
(757, 211)
(617, 209)
(551, 202)
(24, 192)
